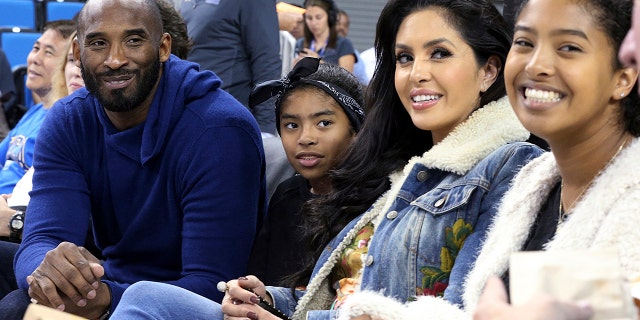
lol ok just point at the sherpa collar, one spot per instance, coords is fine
(486, 130)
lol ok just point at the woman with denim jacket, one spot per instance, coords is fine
(567, 86)
(419, 186)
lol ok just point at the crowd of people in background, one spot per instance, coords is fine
(213, 159)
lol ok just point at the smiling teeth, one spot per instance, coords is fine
(542, 96)
(422, 98)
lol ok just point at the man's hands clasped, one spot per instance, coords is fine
(68, 279)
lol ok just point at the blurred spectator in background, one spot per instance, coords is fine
(290, 20)
(342, 27)
(65, 80)
(174, 25)
(7, 92)
(16, 150)
(321, 39)
(238, 40)
(343, 23)
(368, 58)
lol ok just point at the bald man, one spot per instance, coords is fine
(163, 165)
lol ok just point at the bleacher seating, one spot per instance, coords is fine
(61, 10)
(18, 14)
(24, 98)
(17, 45)
(21, 23)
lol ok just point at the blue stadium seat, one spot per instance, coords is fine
(62, 10)
(18, 13)
(17, 45)
(25, 98)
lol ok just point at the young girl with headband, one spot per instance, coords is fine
(318, 113)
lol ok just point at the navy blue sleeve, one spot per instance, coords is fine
(59, 208)
(261, 37)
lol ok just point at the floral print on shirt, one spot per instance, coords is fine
(435, 280)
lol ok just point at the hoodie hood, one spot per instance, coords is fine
(169, 103)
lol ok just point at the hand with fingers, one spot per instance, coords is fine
(5, 215)
(243, 298)
(303, 53)
(306, 52)
(68, 279)
(493, 305)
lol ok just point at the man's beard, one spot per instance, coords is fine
(117, 100)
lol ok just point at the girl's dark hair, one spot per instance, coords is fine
(334, 75)
(331, 9)
(613, 17)
(388, 138)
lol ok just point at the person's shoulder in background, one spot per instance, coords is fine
(368, 57)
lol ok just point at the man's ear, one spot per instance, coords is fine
(490, 69)
(76, 52)
(165, 47)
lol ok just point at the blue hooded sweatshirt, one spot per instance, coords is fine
(176, 199)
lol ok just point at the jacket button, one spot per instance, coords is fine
(392, 215)
(440, 202)
(422, 176)
(369, 260)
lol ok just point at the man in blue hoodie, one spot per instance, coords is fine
(167, 168)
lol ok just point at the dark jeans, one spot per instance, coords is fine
(14, 301)
(14, 305)
(7, 275)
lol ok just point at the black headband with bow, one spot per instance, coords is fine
(294, 78)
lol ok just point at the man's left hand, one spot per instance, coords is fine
(68, 279)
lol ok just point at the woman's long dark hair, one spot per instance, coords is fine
(389, 138)
(332, 15)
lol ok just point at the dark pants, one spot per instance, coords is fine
(14, 305)
(7, 275)
(14, 301)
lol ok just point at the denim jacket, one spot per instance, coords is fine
(431, 222)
